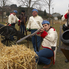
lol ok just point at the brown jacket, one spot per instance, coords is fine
(23, 19)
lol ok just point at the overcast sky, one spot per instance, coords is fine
(60, 6)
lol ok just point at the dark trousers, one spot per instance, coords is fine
(22, 29)
(13, 25)
(43, 56)
(38, 43)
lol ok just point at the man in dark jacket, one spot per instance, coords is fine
(23, 19)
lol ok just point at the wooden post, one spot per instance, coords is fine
(60, 33)
(26, 32)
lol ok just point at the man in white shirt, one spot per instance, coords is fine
(34, 23)
(12, 19)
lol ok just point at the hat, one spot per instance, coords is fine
(35, 10)
(45, 22)
(23, 11)
(15, 11)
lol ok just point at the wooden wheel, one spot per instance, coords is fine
(8, 35)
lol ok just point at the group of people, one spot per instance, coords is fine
(22, 19)
(49, 36)
(47, 32)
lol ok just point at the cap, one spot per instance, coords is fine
(15, 11)
(23, 11)
(45, 22)
(35, 10)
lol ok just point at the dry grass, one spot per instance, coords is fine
(17, 57)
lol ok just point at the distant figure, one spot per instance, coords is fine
(34, 23)
(23, 19)
(12, 19)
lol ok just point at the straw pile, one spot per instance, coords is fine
(1, 46)
(17, 57)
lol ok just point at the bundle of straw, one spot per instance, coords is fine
(17, 57)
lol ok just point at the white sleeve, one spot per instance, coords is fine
(17, 18)
(63, 18)
(9, 19)
(52, 35)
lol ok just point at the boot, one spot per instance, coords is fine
(66, 61)
(47, 66)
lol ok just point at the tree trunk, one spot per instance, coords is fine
(2, 14)
(49, 10)
(29, 8)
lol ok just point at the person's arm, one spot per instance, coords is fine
(49, 36)
(52, 35)
(66, 15)
(42, 33)
(63, 18)
(17, 19)
(9, 19)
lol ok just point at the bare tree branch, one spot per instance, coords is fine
(30, 3)
(49, 3)
(2, 4)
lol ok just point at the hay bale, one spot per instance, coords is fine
(17, 57)
(1, 46)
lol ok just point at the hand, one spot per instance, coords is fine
(29, 30)
(26, 30)
(42, 30)
(9, 24)
(18, 23)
